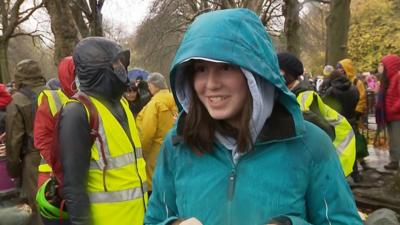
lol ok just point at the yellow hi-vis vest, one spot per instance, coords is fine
(345, 142)
(117, 183)
(55, 99)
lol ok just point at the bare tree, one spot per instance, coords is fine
(159, 35)
(291, 11)
(12, 16)
(72, 20)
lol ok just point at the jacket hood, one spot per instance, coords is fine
(348, 68)
(93, 59)
(5, 97)
(28, 73)
(66, 75)
(391, 64)
(234, 36)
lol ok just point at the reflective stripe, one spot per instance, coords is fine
(112, 162)
(343, 145)
(102, 134)
(304, 98)
(116, 162)
(44, 167)
(115, 196)
(336, 122)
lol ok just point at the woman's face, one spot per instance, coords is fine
(381, 68)
(222, 88)
(130, 95)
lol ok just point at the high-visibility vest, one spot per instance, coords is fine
(117, 182)
(345, 142)
(55, 99)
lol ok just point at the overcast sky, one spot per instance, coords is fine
(126, 13)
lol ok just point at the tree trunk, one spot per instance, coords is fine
(291, 10)
(63, 27)
(337, 25)
(96, 26)
(4, 72)
(79, 20)
(96, 18)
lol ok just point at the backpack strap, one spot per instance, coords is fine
(94, 127)
(93, 114)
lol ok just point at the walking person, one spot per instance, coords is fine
(241, 152)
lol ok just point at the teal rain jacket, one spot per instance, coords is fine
(293, 170)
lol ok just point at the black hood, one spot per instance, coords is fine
(340, 83)
(93, 59)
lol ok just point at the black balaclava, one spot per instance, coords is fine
(93, 59)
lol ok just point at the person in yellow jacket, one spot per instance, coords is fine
(347, 68)
(155, 119)
(104, 182)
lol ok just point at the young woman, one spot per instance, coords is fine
(240, 152)
(135, 100)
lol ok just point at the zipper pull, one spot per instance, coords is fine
(231, 187)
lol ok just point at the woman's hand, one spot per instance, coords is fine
(190, 221)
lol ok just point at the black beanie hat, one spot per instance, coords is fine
(290, 64)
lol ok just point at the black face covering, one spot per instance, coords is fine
(94, 58)
(122, 74)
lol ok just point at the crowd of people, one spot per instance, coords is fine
(240, 136)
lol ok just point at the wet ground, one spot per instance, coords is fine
(376, 188)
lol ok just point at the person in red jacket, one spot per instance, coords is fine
(390, 68)
(5, 99)
(44, 120)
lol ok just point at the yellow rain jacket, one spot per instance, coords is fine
(153, 122)
(351, 74)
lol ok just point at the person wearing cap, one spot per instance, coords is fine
(291, 68)
(155, 120)
(104, 181)
(22, 157)
(240, 151)
(317, 112)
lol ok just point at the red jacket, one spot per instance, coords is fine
(5, 97)
(44, 121)
(391, 64)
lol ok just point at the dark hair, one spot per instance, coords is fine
(132, 87)
(336, 74)
(199, 127)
